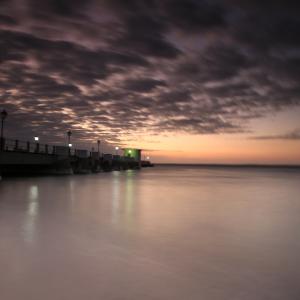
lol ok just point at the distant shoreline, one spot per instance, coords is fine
(231, 165)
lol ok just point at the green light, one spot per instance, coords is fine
(132, 153)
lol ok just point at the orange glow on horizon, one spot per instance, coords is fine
(235, 149)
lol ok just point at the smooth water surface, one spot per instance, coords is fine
(160, 233)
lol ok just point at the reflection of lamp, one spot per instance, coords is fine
(148, 157)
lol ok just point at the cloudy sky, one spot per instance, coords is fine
(187, 80)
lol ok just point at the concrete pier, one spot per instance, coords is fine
(18, 158)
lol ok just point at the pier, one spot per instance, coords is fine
(33, 158)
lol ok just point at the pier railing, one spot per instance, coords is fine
(10, 145)
(30, 147)
(26, 146)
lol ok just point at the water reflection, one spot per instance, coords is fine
(115, 196)
(71, 195)
(32, 214)
(123, 193)
(170, 233)
(129, 199)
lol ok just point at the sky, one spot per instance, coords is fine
(188, 81)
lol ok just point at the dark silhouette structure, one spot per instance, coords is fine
(3, 117)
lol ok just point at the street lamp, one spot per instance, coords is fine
(69, 133)
(37, 147)
(98, 144)
(3, 117)
(148, 157)
(117, 148)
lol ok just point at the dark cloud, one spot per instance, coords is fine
(265, 25)
(146, 34)
(195, 15)
(66, 8)
(292, 135)
(231, 90)
(64, 58)
(218, 62)
(7, 20)
(204, 125)
(143, 85)
(114, 68)
(174, 97)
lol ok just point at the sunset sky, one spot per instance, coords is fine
(189, 81)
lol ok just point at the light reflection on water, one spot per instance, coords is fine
(115, 196)
(31, 214)
(129, 194)
(162, 233)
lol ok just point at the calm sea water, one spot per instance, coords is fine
(161, 233)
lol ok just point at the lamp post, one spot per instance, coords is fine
(98, 144)
(117, 149)
(69, 133)
(3, 117)
(37, 146)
